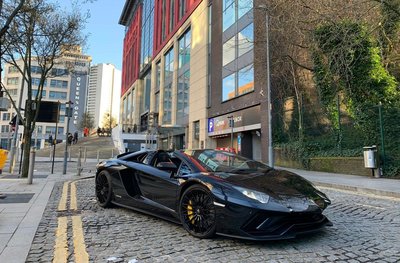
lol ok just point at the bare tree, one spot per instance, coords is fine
(40, 35)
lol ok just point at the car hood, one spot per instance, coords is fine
(276, 183)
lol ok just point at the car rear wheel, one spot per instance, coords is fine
(197, 212)
(104, 189)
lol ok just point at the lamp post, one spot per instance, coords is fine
(231, 124)
(269, 102)
(68, 114)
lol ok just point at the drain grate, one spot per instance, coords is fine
(16, 198)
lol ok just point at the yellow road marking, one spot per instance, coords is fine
(62, 205)
(73, 205)
(79, 241)
(61, 246)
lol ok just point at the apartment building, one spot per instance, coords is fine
(68, 83)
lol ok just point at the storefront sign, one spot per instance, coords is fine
(247, 119)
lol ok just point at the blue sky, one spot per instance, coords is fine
(105, 35)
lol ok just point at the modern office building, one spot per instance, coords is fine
(104, 93)
(67, 83)
(189, 66)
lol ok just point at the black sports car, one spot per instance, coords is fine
(210, 191)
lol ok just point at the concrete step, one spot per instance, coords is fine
(91, 147)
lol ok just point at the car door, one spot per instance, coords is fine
(158, 187)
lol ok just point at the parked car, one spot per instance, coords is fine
(213, 192)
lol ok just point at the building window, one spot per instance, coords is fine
(168, 73)
(157, 102)
(158, 76)
(13, 69)
(39, 129)
(5, 128)
(61, 118)
(228, 51)
(228, 13)
(171, 15)
(6, 116)
(59, 72)
(229, 87)
(12, 81)
(147, 33)
(183, 96)
(163, 20)
(52, 130)
(36, 70)
(182, 8)
(57, 95)
(54, 83)
(146, 92)
(245, 40)
(184, 49)
(246, 80)
(124, 109)
(232, 10)
(13, 92)
(128, 101)
(36, 82)
(35, 92)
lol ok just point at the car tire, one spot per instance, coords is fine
(197, 212)
(104, 192)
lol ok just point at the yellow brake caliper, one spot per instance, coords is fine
(190, 212)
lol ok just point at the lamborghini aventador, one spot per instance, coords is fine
(213, 192)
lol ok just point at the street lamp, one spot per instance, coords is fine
(68, 114)
(231, 124)
(269, 102)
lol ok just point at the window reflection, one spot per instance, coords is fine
(246, 80)
(228, 87)
(245, 40)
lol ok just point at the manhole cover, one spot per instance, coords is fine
(16, 198)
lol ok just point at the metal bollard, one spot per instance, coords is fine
(79, 167)
(85, 154)
(98, 155)
(31, 164)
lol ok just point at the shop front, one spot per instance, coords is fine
(238, 131)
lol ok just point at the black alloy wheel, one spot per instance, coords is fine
(103, 189)
(197, 212)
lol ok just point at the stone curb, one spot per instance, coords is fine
(359, 189)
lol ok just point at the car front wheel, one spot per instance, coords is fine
(104, 189)
(197, 212)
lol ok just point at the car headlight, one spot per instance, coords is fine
(260, 197)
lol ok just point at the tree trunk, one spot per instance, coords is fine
(27, 138)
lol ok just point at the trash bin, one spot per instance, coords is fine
(3, 159)
(370, 159)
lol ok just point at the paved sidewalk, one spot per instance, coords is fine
(22, 209)
(19, 220)
(363, 184)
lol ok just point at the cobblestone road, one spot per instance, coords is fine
(366, 229)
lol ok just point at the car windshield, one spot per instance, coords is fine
(221, 161)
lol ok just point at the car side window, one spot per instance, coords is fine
(184, 169)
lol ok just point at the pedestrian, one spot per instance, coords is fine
(51, 139)
(86, 132)
(98, 131)
(75, 137)
(69, 138)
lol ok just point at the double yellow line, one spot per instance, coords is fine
(61, 246)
